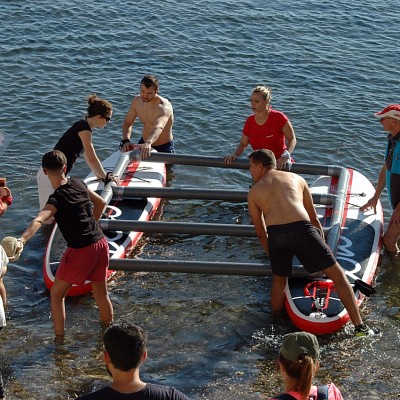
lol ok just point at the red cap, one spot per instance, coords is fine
(391, 111)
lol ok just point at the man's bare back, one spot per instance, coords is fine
(280, 196)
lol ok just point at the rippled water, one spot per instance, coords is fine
(330, 64)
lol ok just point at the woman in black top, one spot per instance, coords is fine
(78, 139)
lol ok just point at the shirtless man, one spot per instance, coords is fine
(156, 115)
(281, 203)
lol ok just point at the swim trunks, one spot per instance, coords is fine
(300, 239)
(89, 263)
(163, 148)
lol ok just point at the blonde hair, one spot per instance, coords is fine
(265, 91)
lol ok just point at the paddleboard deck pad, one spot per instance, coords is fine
(137, 174)
(312, 303)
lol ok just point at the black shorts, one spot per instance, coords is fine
(300, 239)
(163, 148)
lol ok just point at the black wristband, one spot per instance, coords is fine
(122, 142)
(109, 177)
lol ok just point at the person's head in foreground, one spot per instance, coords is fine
(299, 361)
(125, 346)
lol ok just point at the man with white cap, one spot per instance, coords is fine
(390, 177)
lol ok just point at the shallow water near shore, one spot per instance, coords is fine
(330, 68)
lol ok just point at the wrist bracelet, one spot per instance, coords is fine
(109, 177)
(286, 154)
(122, 142)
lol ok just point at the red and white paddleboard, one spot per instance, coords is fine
(313, 304)
(137, 174)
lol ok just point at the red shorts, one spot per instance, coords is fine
(87, 263)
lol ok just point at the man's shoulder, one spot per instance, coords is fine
(277, 179)
(102, 394)
(159, 391)
(164, 103)
(74, 184)
(136, 99)
(77, 180)
(257, 192)
(290, 180)
(287, 175)
(136, 103)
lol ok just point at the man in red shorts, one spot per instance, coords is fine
(76, 210)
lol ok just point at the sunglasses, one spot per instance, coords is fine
(108, 119)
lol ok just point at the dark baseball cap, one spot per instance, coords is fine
(298, 343)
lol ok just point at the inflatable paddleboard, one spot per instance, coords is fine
(137, 174)
(312, 303)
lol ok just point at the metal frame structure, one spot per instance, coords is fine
(337, 201)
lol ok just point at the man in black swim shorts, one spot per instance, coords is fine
(301, 239)
(281, 205)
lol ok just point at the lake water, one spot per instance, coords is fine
(330, 64)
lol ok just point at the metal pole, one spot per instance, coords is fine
(189, 228)
(119, 169)
(121, 192)
(198, 267)
(239, 163)
(338, 210)
(181, 193)
(177, 227)
(184, 159)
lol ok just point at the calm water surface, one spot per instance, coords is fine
(330, 64)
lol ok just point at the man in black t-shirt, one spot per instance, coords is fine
(124, 351)
(76, 210)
